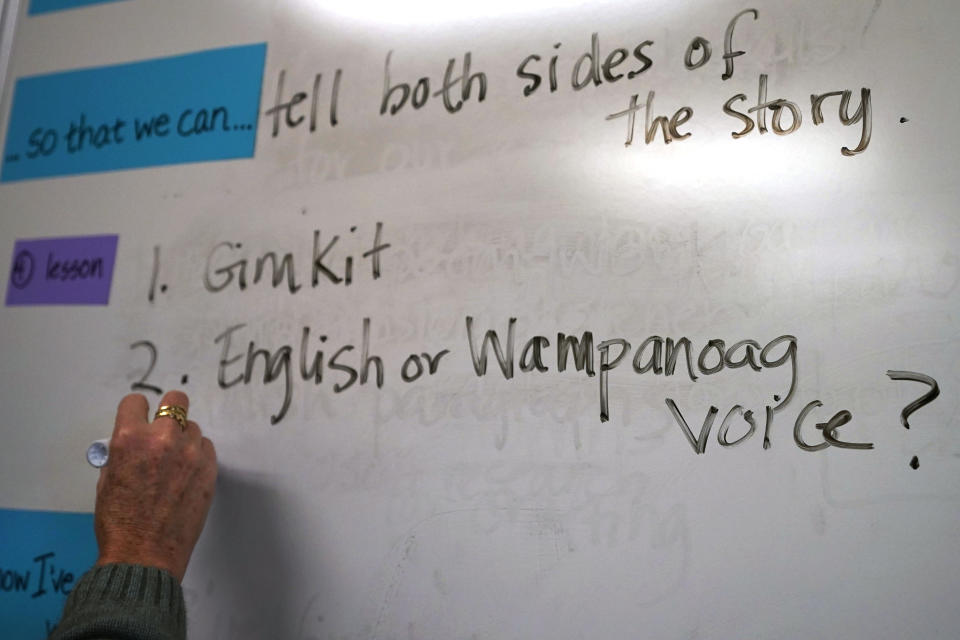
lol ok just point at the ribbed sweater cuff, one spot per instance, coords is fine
(124, 601)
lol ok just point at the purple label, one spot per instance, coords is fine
(75, 270)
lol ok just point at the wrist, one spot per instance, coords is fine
(143, 558)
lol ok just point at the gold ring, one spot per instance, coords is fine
(172, 411)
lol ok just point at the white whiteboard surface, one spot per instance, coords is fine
(466, 506)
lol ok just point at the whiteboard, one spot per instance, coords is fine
(455, 504)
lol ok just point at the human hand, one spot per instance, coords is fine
(154, 493)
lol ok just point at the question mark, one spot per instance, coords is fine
(923, 400)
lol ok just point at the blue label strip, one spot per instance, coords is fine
(46, 6)
(188, 108)
(42, 556)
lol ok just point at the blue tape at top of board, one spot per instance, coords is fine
(42, 556)
(189, 108)
(46, 6)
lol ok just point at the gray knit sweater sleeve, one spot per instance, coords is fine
(124, 602)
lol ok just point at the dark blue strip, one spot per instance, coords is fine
(46, 6)
(188, 108)
(42, 556)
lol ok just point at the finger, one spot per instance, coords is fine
(193, 432)
(173, 399)
(207, 445)
(211, 468)
(176, 398)
(132, 410)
